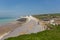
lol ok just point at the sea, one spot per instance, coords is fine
(6, 20)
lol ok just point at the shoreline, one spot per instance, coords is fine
(15, 28)
(8, 27)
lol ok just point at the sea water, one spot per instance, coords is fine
(6, 20)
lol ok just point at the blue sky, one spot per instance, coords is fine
(27, 7)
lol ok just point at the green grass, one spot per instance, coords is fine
(53, 34)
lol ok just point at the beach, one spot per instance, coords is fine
(15, 28)
(8, 27)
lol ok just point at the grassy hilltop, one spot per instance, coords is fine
(53, 34)
(56, 15)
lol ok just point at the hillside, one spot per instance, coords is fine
(52, 34)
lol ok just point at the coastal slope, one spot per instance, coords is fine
(33, 26)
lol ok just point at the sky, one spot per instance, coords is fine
(15, 8)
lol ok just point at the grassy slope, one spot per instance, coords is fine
(45, 35)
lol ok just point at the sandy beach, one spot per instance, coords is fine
(8, 27)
